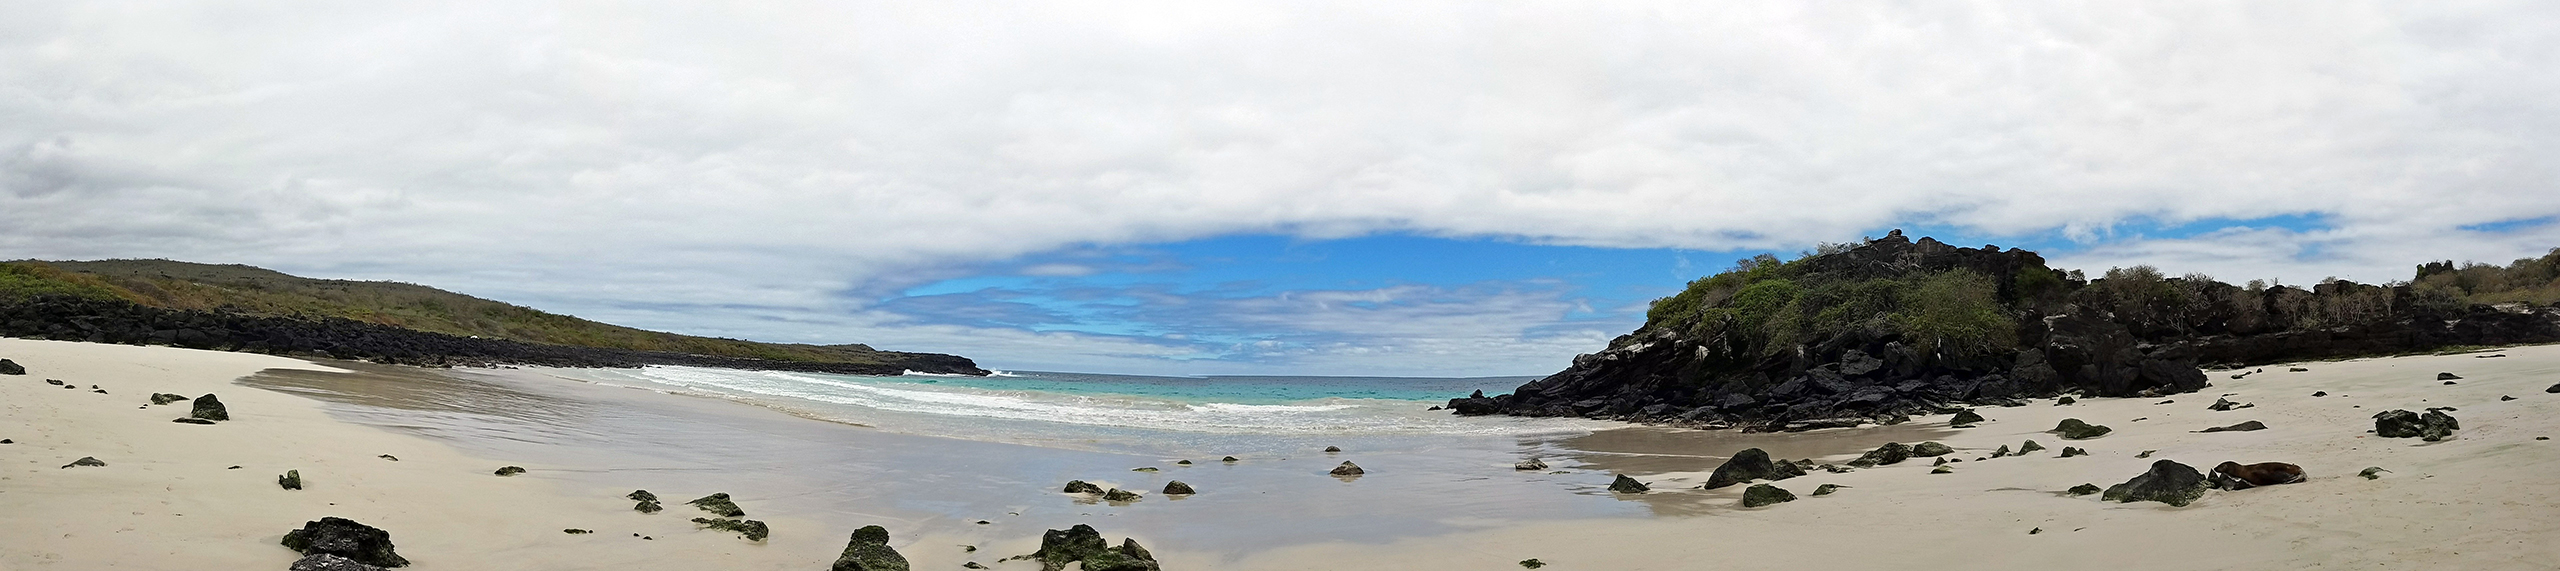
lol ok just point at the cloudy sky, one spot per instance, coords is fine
(1414, 187)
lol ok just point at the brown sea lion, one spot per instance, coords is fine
(2235, 476)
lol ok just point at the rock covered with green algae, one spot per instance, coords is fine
(1060, 547)
(2075, 429)
(718, 504)
(509, 470)
(291, 480)
(870, 551)
(166, 398)
(1082, 487)
(345, 538)
(1925, 449)
(1763, 494)
(1751, 464)
(1826, 489)
(2030, 446)
(641, 495)
(2167, 482)
(751, 529)
(2084, 489)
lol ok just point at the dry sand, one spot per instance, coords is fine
(167, 500)
(2480, 500)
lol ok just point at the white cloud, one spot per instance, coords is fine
(589, 157)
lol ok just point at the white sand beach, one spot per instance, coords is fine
(2482, 499)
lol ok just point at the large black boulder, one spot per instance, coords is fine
(1475, 405)
(210, 408)
(345, 538)
(2166, 482)
(870, 551)
(1751, 464)
(8, 367)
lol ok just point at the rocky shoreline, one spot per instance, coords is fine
(2072, 336)
(119, 322)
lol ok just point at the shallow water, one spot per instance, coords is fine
(983, 456)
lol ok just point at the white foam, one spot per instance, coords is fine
(864, 399)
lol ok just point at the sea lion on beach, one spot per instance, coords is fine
(2235, 476)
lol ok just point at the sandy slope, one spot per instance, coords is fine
(2483, 500)
(2487, 499)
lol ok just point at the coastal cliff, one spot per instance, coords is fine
(1878, 331)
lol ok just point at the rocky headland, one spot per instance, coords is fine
(247, 309)
(1879, 331)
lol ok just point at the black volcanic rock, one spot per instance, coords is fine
(345, 538)
(210, 408)
(1060, 547)
(1763, 494)
(1825, 340)
(2241, 427)
(8, 367)
(2166, 482)
(2075, 429)
(1751, 464)
(1626, 485)
(869, 551)
(1889, 453)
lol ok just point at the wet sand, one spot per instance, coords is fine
(2480, 500)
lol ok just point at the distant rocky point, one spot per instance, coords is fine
(248, 309)
(1886, 329)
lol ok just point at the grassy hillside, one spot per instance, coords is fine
(257, 291)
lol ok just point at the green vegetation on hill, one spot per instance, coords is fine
(1764, 305)
(256, 291)
(2531, 280)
